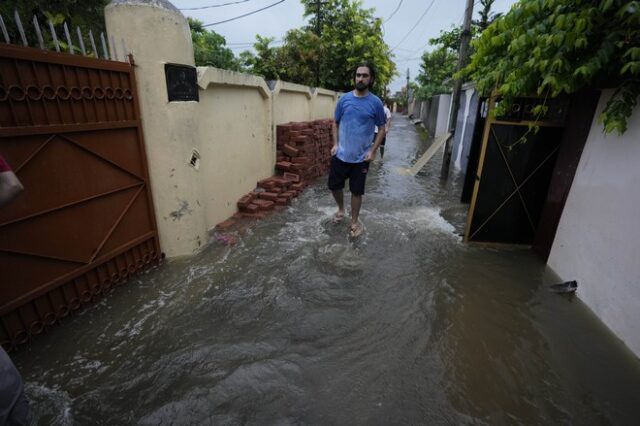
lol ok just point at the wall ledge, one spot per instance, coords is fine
(284, 86)
(318, 91)
(216, 76)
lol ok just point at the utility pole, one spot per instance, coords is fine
(457, 86)
(408, 94)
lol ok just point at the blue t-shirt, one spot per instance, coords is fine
(357, 118)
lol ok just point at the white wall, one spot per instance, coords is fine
(444, 112)
(598, 238)
(460, 137)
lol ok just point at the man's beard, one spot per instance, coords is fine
(361, 87)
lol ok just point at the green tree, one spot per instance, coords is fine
(299, 57)
(266, 61)
(485, 15)
(349, 34)
(550, 47)
(209, 48)
(86, 14)
(439, 65)
(436, 70)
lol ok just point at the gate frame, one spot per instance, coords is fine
(53, 300)
(490, 120)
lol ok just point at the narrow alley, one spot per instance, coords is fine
(297, 324)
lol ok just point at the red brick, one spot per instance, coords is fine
(300, 160)
(283, 165)
(282, 201)
(264, 204)
(300, 140)
(266, 183)
(268, 196)
(245, 200)
(292, 177)
(251, 208)
(290, 151)
(256, 215)
(288, 195)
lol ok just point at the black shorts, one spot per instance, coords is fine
(341, 171)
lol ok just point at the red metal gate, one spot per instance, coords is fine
(70, 128)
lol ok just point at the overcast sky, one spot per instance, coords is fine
(407, 44)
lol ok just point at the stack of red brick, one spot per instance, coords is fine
(303, 154)
(304, 148)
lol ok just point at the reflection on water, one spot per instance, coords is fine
(297, 324)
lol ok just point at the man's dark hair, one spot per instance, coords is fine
(372, 71)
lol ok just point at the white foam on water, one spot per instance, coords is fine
(422, 219)
(134, 326)
(308, 228)
(50, 401)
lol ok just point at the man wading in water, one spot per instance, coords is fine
(357, 114)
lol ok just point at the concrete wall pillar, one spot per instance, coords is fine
(157, 33)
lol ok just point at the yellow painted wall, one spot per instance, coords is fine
(235, 139)
(232, 127)
(167, 126)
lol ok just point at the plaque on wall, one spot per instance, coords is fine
(181, 82)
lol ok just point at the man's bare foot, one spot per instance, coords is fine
(337, 217)
(356, 229)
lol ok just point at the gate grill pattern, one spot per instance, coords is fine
(514, 171)
(70, 128)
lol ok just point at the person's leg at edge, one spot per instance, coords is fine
(356, 202)
(336, 184)
(338, 195)
(357, 179)
(381, 152)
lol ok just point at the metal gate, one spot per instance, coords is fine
(514, 171)
(70, 129)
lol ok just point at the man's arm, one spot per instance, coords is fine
(335, 131)
(10, 187)
(371, 155)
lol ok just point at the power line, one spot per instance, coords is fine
(394, 12)
(425, 46)
(246, 14)
(414, 27)
(213, 5)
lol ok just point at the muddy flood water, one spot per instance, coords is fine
(297, 325)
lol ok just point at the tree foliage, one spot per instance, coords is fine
(295, 61)
(485, 15)
(349, 34)
(436, 70)
(266, 62)
(209, 48)
(550, 47)
(299, 57)
(439, 65)
(86, 14)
